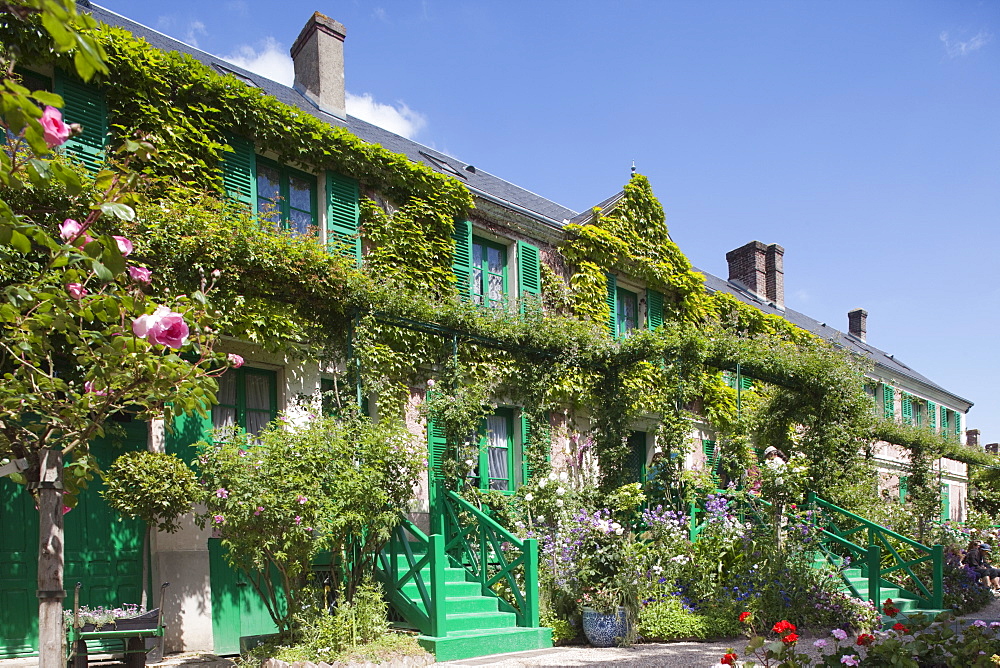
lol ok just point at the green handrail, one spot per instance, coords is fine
(483, 548)
(877, 541)
(431, 619)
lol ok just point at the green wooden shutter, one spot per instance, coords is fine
(944, 421)
(462, 263)
(85, 105)
(958, 425)
(526, 471)
(612, 300)
(239, 172)
(746, 382)
(888, 401)
(945, 501)
(342, 214)
(712, 457)
(904, 483)
(654, 309)
(528, 269)
(932, 415)
(437, 451)
(907, 406)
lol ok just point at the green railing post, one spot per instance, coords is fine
(874, 574)
(484, 561)
(530, 583)
(694, 522)
(937, 552)
(439, 512)
(438, 611)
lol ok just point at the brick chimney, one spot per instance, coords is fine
(760, 269)
(993, 447)
(318, 55)
(972, 437)
(857, 323)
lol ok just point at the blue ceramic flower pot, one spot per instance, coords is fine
(604, 629)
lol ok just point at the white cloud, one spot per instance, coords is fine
(271, 60)
(956, 48)
(195, 28)
(380, 14)
(399, 119)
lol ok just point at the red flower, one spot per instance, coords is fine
(729, 659)
(784, 626)
(744, 616)
(865, 639)
(789, 639)
(889, 609)
(898, 626)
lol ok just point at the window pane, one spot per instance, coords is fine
(223, 416)
(498, 443)
(227, 388)
(496, 287)
(496, 260)
(257, 420)
(268, 192)
(299, 221)
(258, 392)
(300, 193)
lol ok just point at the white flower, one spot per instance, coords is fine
(540, 518)
(542, 483)
(529, 497)
(469, 462)
(563, 476)
(561, 491)
(559, 503)
(619, 531)
(553, 476)
(657, 569)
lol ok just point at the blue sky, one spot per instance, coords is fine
(864, 137)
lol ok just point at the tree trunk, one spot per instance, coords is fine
(145, 565)
(50, 560)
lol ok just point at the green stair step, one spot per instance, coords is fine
(467, 644)
(451, 589)
(464, 604)
(481, 621)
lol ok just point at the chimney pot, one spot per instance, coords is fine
(857, 323)
(318, 57)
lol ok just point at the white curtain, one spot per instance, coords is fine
(224, 414)
(258, 402)
(497, 443)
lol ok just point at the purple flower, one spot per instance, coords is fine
(849, 660)
(218, 519)
(259, 510)
(298, 520)
(821, 643)
(301, 499)
(222, 493)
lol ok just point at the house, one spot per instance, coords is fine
(503, 251)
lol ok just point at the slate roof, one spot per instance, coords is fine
(489, 186)
(888, 363)
(480, 182)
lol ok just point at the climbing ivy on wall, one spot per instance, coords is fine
(398, 319)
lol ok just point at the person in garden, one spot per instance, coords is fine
(992, 574)
(773, 457)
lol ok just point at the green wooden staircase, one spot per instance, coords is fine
(876, 553)
(446, 585)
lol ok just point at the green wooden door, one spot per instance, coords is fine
(18, 572)
(101, 552)
(636, 463)
(237, 609)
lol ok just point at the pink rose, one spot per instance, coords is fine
(70, 230)
(56, 132)
(218, 519)
(259, 510)
(163, 327)
(222, 493)
(140, 274)
(76, 291)
(89, 387)
(235, 360)
(124, 245)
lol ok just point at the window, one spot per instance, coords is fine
(494, 468)
(286, 196)
(248, 399)
(627, 310)
(635, 465)
(489, 272)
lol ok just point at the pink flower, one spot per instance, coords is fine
(849, 660)
(839, 634)
(298, 520)
(140, 274)
(56, 132)
(309, 528)
(88, 386)
(70, 230)
(218, 519)
(259, 510)
(222, 493)
(124, 245)
(163, 327)
(76, 290)
(301, 499)
(235, 360)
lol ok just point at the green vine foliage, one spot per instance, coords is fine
(397, 320)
